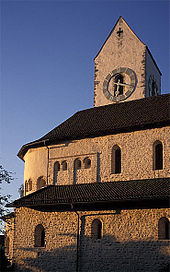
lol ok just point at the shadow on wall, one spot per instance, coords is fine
(98, 167)
(95, 255)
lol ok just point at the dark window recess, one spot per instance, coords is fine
(96, 229)
(26, 186)
(57, 166)
(30, 184)
(158, 156)
(163, 228)
(39, 236)
(116, 160)
(77, 164)
(41, 182)
(87, 163)
(64, 165)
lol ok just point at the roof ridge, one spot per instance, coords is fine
(105, 120)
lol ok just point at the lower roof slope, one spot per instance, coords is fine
(136, 190)
(110, 119)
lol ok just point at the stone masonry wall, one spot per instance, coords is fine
(136, 158)
(129, 241)
(61, 153)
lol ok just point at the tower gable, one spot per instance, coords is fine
(120, 67)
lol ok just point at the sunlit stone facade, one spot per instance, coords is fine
(137, 159)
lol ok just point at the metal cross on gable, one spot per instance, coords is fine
(119, 32)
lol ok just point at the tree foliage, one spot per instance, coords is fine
(5, 177)
(21, 190)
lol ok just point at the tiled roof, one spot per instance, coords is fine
(136, 190)
(110, 119)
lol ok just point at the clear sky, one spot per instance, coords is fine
(47, 67)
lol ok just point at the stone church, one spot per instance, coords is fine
(96, 186)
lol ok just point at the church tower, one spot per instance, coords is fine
(124, 68)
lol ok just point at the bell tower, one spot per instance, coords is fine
(124, 68)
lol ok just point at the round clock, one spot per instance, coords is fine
(119, 84)
(153, 88)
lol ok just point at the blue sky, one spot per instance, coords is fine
(47, 67)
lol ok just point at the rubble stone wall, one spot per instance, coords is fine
(136, 158)
(129, 241)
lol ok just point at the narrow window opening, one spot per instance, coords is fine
(39, 236)
(158, 155)
(163, 228)
(57, 166)
(96, 229)
(77, 164)
(26, 186)
(158, 150)
(116, 160)
(99, 232)
(30, 185)
(56, 170)
(87, 163)
(64, 165)
(42, 238)
(41, 182)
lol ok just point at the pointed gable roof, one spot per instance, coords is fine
(120, 19)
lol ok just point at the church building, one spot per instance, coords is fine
(96, 186)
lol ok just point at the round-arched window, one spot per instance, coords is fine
(87, 163)
(77, 164)
(41, 182)
(39, 236)
(157, 155)
(116, 160)
(96, 229)
(64, 165)
(163, 228)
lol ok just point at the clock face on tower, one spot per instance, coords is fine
(119, 84)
